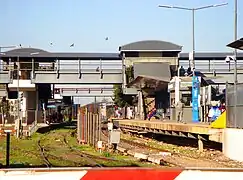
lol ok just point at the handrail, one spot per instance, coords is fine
(32, 128)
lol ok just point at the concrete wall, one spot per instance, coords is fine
(156, 69)
(232, 144)
(131, 60)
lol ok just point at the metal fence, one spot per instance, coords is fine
(88, 126)
(27, 117)
(234, 99)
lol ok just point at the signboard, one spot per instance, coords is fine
(195, 97)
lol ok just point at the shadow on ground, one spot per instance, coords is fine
(65, 125)
(182, 141)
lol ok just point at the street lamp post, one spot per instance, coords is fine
(18, 100)
(195, 83)
(193, 10)
(235, 63)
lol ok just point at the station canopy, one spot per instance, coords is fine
(238, 44)
(151, 75)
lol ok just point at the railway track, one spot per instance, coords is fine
(87, 157)
(43, 155)
(178, 155)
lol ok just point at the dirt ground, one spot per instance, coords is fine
(184, 156)
(26, 152)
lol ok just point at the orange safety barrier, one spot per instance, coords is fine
(120, 174)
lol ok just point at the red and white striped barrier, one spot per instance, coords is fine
(120, 174)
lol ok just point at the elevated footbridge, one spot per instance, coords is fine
(61, 68)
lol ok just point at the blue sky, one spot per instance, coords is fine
(87, 23)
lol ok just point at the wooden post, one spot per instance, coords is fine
(94, 130)
(88, 129)
(79, 128)
(86, 126)
(99, 127)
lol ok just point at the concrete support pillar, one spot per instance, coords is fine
(31, 106)
(140, 105)
(23, 103)
(200, 145)
(37, 103)
(177, 89)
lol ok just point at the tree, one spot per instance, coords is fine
(129, 73)
(121, 99)
(4, 108)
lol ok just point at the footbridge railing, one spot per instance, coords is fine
(65, 72)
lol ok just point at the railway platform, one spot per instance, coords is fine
(201, 132)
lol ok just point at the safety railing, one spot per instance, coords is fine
(32, 128)
(30, 70)
(206, 65)
(27, 117)
(63, 65)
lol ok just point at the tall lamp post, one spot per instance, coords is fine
(235, 62)
(19, 125)
(195, 83)
(193, 10)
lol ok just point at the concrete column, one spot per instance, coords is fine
(37, 103)
(23, 102)
(200, 144)
(177, 89)
(31, 106)
(140, 105)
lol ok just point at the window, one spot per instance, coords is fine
(169, 54)
(131, 54)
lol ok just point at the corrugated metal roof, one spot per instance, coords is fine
(150, 45)
(34, 52)
(238, 44)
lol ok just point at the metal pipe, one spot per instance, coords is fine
(235, 62)
(18, 100)
(193, 25)
(7, 149)
(193, 42)
(192, 58)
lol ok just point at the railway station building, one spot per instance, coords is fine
(32, 72)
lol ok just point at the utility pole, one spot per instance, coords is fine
(235, 62)
(192, 55)
(18, 100)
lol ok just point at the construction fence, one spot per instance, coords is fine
(88, 126)
(234, 105)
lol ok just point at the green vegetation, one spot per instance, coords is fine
(25, 152)
(119, 98)
(164, 146)
(4, 107)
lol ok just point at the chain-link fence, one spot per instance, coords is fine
(234, 105)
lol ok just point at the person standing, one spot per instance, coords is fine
(179, 110)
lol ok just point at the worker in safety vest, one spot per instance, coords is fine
(179, 106)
